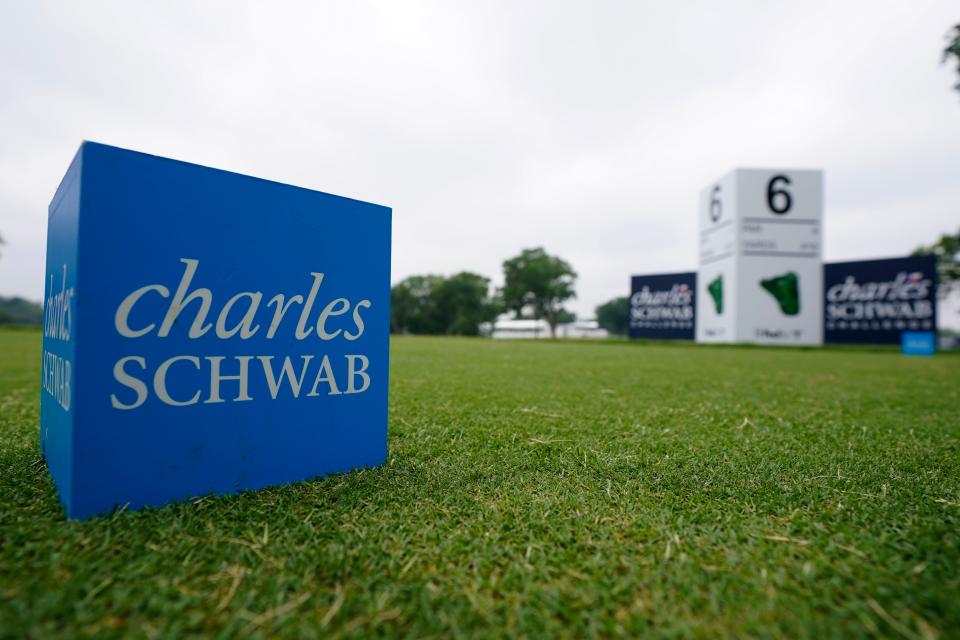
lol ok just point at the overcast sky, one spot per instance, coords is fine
(585, 127)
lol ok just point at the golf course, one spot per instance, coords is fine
(539, 488)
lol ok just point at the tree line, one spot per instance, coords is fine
(19, 311)
(536, 285)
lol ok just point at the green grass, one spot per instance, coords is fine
(534, 489)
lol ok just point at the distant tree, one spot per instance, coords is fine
(614, 316)
(462, 302)
(540, 281)
(947, 250)
(20, 311)
(953, 49)
(566, 317)
(2, 242)
(411, 305)
(439, 305)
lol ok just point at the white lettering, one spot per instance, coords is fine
(302, 331)
(58, 310)
(216, 378)
(280, 311)
(336, 307)
(160, 381)
(181, 300)
(127, 380)
(121, 318)
(365, 304)
(286, 371)
(325, 374)
(245, 327)
(353, 372)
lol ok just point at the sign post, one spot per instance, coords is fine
(206, 332)
(760, 278)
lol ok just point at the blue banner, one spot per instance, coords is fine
(662, 306)
(875, 301)
(208, 332)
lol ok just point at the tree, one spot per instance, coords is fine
(953, 49)
(411, 305)
(540, 281)
(19, 311)
(431, 304)
(2, 241)
(614, 316)
(947, 250)
(462, 302)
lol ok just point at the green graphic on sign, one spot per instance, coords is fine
(715, 289)
(785, 290)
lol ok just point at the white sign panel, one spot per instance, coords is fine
(761, 274)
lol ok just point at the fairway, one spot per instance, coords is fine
(540, 488)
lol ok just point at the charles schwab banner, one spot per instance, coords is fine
(874, 301)
(662, 306)
(207, 332)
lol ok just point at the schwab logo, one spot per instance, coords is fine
(675, 303)
(242, 316)
(912, 286)
(906, 297)
(58, 326)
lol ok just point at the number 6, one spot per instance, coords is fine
(772, 192)
(716, 208)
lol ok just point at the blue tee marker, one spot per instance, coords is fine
(918, 343)
(206, 331)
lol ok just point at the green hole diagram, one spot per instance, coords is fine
(785, 290)
(715, 289)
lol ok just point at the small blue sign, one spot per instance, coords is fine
(207, 332)
(919, 343)
(663, 306)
